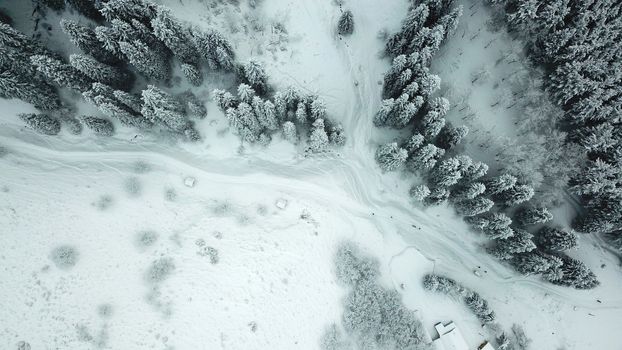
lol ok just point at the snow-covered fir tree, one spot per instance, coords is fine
(450, 136)
(301, 113)
(192, 73)
(414, 142)
(174, 35)
(475, 206)
(289, 132)
(336, 135)
(537, 262)
(474, 171)
(345, 26)
(85, 39)
(40, 94)
(41, 123)
(431, 125)
(507, 248)
(447, 173)
(553, 238)
(390, 156)
(318, 140)
(160, 107)
(576, 274)
(214, 48)
(224, 99)
(247, 125)
(500, 183)
(99, 126)
(103, 97)
(131, 101)
(127, 10)
(479, 306)
(148, 62)
(424, 158)
(246, 93)
(317, 109)
(101, 72)
(193, 106)
(497, 225)
(516, 194)
(437, 196)
(61, 73)
(476, 222)
(419, 192)
(533, 215)
(468, 191)
(267, 117)
(254, 75)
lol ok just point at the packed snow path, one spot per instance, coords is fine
(273, 285)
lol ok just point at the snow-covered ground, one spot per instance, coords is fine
(274, 218)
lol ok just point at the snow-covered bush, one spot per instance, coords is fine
(132, 186)
(64, 256)
(160, 270)
(41, 123)
(345, 26)
(99, 126)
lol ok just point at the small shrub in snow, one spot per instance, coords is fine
(146, 239)
(41, 123)
(104, 310)
(99, 126)
(170, 194)
(160, 270)
(103, 202)
(22, 345)
(213, 255)
(345, 26)
(132, 186)
(64, 256)
(141, 167)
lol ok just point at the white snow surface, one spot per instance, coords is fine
(273, 285)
